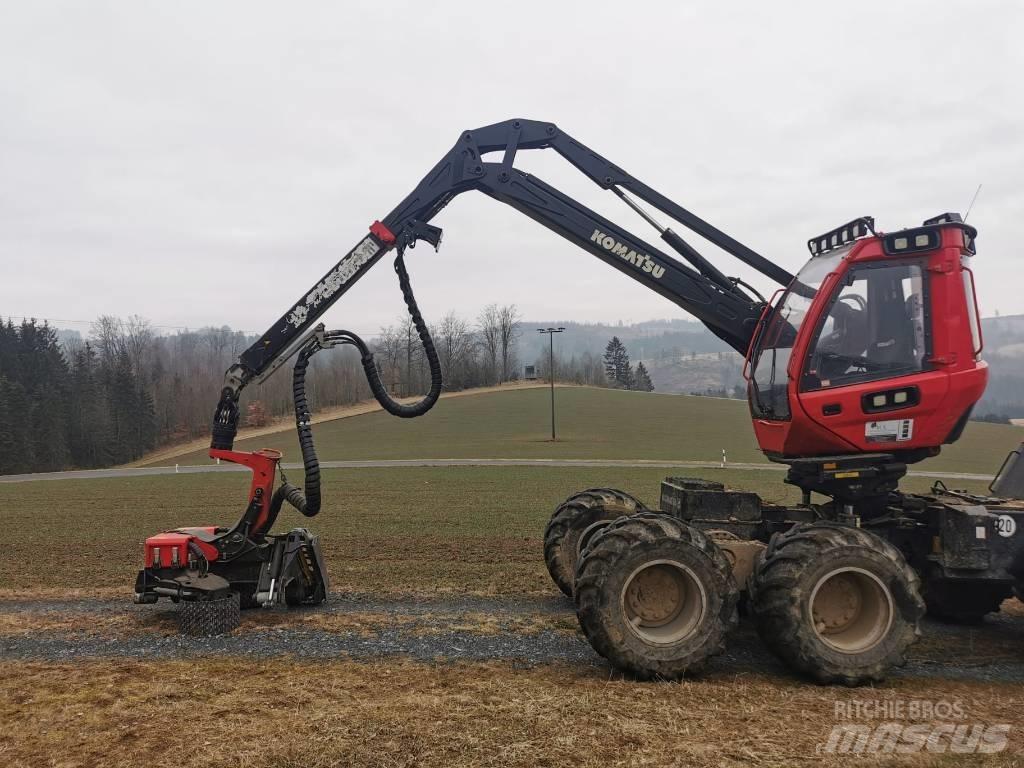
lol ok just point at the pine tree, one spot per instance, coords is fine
(616, 364)
(642, 379)
(89, 423)
(9, 447)
(34, 414)
(144, 438)
(47, 389)
(120, 435)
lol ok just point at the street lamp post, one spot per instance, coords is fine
(551, 369)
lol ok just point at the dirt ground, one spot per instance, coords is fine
(444, 681)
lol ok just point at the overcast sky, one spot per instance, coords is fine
(205, 163)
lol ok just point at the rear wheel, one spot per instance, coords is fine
(836, 603)
(655, 597)
(574, 524)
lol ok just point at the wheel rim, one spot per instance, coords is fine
(663, 602)
(851, 610)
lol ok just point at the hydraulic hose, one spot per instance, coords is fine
(383, 397)
(308, 502)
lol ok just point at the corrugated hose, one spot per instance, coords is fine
(308, 502)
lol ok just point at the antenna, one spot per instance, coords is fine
(973, 199)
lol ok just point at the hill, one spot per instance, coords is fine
(592, 423)
(683, 357)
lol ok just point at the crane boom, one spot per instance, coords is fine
(700, 288)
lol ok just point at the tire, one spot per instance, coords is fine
(855, 630)
(574, 522)
(960, 603)
(207, 618)
(655, 597)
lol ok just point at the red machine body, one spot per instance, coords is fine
(170, 549)
(873, 348)
(263, 464)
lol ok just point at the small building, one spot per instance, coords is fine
(530, 372)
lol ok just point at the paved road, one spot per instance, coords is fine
(87, 474)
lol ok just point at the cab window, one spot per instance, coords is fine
(875, 328)
(769, 381)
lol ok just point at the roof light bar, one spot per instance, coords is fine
(912, 241)
(841, 236)
(949, 217)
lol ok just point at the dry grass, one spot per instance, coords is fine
(20, 594)
(285, 713)
(91, 623)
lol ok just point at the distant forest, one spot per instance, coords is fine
(110, 397)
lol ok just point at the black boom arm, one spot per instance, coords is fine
(701, 289)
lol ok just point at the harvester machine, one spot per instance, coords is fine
(863, 363)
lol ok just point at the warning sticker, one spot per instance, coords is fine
(893, 431)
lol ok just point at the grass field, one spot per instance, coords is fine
(406, 530)
(592, 423)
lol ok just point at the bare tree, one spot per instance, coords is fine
(218, 342)
(508, 333)
(455, 348)
(488, 324)
(107, 335)
(138, 343)
(389, 345)
(412, 352)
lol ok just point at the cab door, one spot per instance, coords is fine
(867, 376)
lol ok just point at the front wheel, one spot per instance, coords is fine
(655, 596)
(836, 603)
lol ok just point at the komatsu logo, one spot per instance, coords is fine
(641, 260)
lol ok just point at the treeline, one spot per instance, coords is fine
(88, 409)
(123, 390)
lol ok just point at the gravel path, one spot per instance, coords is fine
(95, 474)
(435, 631)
